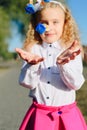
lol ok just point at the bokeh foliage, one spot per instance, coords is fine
(12, 10)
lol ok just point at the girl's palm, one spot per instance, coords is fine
(29, 57)
(69, 54)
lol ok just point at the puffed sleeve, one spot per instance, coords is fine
(72, 73)
(29, 75)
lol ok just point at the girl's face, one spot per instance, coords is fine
(54, 18)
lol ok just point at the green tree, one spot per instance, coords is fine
(4, 32)
(12, 10)
(9, 10)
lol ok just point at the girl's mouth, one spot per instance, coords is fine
(49, 34)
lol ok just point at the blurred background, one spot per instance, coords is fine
(14, 100)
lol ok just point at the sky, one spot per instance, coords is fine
(16, 39)
(79, 11)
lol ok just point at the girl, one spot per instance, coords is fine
(52, 69)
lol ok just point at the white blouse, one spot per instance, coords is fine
(52, 84)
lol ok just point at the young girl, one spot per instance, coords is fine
(52, 70)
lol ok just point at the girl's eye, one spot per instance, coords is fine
(43, 22)
(55, 22)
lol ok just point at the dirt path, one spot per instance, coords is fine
(14, 100)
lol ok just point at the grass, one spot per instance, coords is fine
(82, 96)
(2, 69)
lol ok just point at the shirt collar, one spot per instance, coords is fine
(54, 44)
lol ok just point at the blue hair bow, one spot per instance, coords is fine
(40, 28)
(32, 8)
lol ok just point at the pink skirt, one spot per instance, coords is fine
(41, 117)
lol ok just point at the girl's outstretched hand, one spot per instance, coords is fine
(28, 56)
(69, 54)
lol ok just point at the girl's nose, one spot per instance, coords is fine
(49, 27)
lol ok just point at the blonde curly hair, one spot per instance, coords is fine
(70, 31)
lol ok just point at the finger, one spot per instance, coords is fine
(40, 59)
(18, 50)
(59, 61)
(76, 52)
(35, 61)
(63, 61)
(21, 52)
(75, 46)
